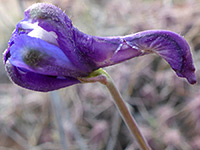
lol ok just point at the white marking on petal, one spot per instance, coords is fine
(28, 25)
(118, 49)
(132, 46)
(49, 37)
(125, 45)
(39, 32)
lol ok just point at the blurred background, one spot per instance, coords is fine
(166, 107)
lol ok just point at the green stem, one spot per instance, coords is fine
(103, 77)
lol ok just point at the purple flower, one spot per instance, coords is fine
(46, 52)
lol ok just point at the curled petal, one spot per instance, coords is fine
(105, 51)
(170, 46)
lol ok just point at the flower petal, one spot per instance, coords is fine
(40, 57)
(170, 46)
(52, 19)
(38, 82)
(46, 52)
(106, 51)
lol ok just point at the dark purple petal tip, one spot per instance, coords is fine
(46, 52)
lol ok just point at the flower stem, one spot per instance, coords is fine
(126, 115)
(56, 104)
(101, 76)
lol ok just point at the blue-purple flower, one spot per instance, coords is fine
(46, 52)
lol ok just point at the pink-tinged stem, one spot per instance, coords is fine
(102, 77)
